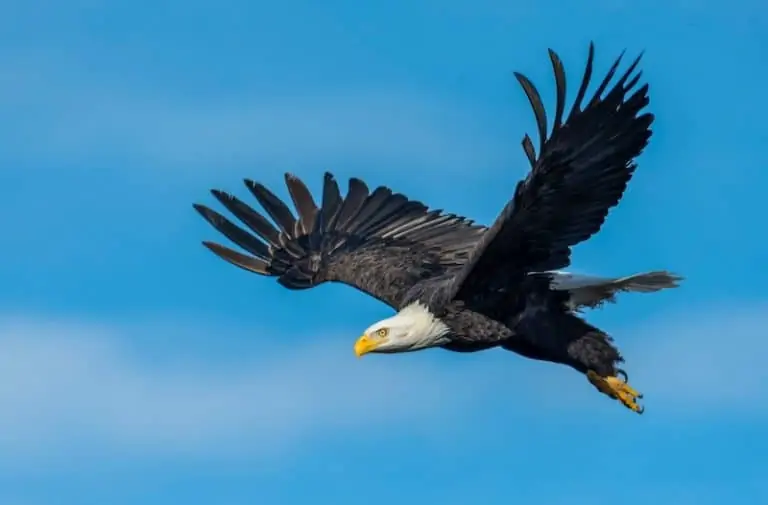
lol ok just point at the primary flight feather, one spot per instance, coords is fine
(459, 285)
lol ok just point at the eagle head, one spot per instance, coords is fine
(415, 327)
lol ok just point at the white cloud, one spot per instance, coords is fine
(66, 385)
(55, 111)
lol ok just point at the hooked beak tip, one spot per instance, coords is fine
(363, 346)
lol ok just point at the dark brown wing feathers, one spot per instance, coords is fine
(379, 242)
(580, 173)
(304, 203)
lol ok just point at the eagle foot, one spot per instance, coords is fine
(618, 389)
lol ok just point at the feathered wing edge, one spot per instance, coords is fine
(296, 249)
(614, 96)
(581, 172)
(603, 137)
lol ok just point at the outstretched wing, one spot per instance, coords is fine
(581, 172)
(379, 242)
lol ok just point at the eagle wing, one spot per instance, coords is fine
(379, 242)
(581, 172)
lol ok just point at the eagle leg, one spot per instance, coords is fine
(618, 389)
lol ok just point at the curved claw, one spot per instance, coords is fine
(617, 387)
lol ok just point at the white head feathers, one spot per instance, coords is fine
(411, 329)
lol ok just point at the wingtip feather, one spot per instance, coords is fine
(250, 263)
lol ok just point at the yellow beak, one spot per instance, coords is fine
(364, 345)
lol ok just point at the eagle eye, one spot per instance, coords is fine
(382, 332)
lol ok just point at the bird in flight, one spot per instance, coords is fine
(462, 286)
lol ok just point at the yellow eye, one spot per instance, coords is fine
(381, 333)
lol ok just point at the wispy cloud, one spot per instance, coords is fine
(64, 383)
(63, 112)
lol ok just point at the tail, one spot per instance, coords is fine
(592, 292)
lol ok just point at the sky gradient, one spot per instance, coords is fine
(135, 367)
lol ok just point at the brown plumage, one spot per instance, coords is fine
(462, 286)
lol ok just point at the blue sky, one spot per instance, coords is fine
(135, 367)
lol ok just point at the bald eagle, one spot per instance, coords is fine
(458, 285)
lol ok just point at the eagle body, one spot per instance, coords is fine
(458, 285)
(533, 323)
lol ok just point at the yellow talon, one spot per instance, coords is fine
(617, 389)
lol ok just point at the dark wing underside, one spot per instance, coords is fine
(581, 172)
(379, 242)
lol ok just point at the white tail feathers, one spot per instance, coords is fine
(591, 291)
(649, 282)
